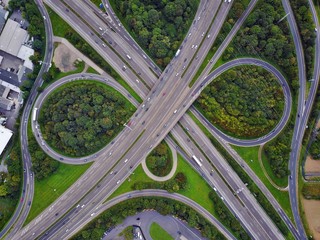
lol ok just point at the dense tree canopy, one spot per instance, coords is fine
(315, 148)
(262, 35)
(306, 27)
(82, 117)
(246, 101)
(159, 26)
(159, 161)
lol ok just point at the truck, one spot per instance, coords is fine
(196, 160)
(34, 115)
(177, 53)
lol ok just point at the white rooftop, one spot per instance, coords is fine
(12, 37)
(5, 135)
(24, 54)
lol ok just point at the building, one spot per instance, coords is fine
(15, 52)
(9, 94)
(5, 136)
(3, 17)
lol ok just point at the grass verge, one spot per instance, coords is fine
(158, 233)
(48, 190)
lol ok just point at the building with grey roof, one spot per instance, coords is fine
(12, 37)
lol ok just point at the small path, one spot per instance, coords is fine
(265, 172)
(170, 175)
(78, 53)
(86, 66)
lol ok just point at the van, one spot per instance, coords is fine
(100, 28)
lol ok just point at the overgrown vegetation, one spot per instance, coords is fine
(314, 149)
(159, 161)
(246, 101)
(127, 233)
(262, 35)
(80, 118)
(311, 190)
(158, 26)
(226, 217)
(278, 150)
(10, 182)
(116, 214)
(42, 164)
(306, 26)
(265, 36)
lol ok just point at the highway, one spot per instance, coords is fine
(286, 92)
(167, 90)
(23, 207)
(103, 79)
(304, 108)
(168, 94)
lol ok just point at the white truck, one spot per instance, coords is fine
(177, 53)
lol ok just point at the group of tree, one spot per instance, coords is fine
(264, 35)
(10, 181)
(158, 26)
(31, 13)
(314, 149)
(159, 161)
(179, 182)
(226, 217)
(234, 14)
(306, 26)
(246, 101)
(42, 165)
(82, 117)
(278, 151)
(116, 214)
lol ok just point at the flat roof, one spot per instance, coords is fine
(5, 135)
(12, 37)
(24, 54)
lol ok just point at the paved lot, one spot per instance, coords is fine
(145, 219)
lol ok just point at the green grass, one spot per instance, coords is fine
(158, 233)
(251, 153)
(48, 190)
(97, 3)
(59, 27)
(91, 70)
(195, 184)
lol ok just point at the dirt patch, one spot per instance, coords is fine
(312, 212)
(64, 58)
(312, 165)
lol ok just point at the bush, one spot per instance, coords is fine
(81, 117)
